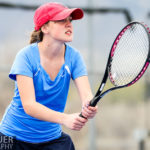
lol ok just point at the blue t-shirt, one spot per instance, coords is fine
(52, 94)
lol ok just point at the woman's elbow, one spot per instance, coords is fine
(28, 108)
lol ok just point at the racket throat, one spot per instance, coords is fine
(96, 99)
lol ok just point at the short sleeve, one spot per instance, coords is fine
(78, 66)
(21, 66)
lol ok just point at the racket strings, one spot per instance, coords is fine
(129, 55)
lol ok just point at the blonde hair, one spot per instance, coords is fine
(36, 36)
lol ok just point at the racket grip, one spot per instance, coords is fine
(93, 102)
(82, 116)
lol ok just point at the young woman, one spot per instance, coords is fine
(42, 73)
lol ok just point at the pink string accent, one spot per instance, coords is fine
(146, 26)
(140, 75)
(117, 40)
(120, 35)
(111, 78)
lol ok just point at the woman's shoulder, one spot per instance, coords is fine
(72, 52)
(71, 48)
(28, 50)
(29, 54)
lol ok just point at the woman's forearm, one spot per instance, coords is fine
(42, 112)
(39, 111)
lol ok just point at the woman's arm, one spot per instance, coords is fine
(86, 95)
(39, 111)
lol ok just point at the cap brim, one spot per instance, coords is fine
(76, 14)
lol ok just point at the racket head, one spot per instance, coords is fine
(130, 55)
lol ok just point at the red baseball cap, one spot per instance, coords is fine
(54, 11)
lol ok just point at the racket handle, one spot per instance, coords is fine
(82, 116)
(93, 102)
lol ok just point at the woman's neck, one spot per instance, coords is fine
(52, 50)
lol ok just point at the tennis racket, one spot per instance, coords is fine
(128, 59)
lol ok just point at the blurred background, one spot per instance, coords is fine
(122, 122)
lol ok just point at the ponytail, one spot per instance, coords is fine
(36, 36)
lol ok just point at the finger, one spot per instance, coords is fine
(79, 124)
(82, 120)
(91, 115)
(93, 109)
(87, 110)
(82, 116)
(77, 127)
(88, 115)
(85, 114)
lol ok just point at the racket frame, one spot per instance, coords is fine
(99, 93)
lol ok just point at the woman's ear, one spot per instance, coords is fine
(44, 28)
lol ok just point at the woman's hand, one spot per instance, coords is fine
(74, 122)
(88, 111)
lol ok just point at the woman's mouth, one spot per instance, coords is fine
(69, 32)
